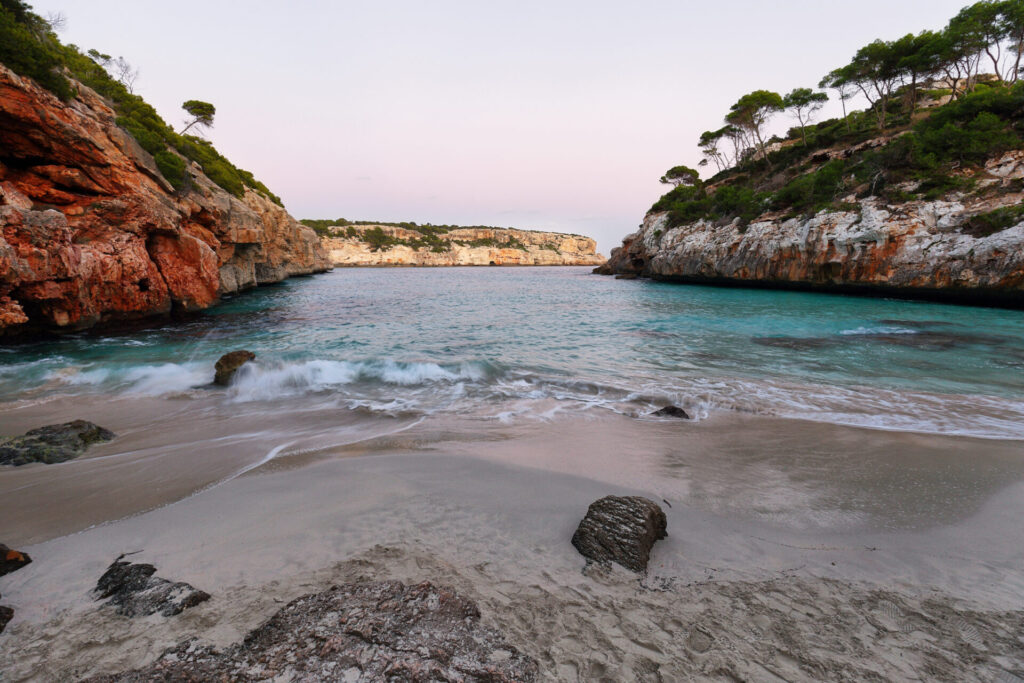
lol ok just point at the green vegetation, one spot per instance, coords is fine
(992, 222)
(202, 114)
(510, 243)
(894, 150)
(432, 237)
(29, 47)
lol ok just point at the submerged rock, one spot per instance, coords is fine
(6, 614)
(53, 443)
(622, 530)
(134, 591)
(228, 365)
(671, 411)
(355, 632)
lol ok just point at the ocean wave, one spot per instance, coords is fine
(488, 391)
(873, 331)
(855, 406)
(258, 381)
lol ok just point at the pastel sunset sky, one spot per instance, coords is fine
(557, 115)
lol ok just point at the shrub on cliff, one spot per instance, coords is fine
(29, 48)
(172, 167)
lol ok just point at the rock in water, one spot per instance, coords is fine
(621, 529)
(53, 443)
(228, 365)
(12, 560)
(134, 591)
(671, 411)
(6, 614)
(355, 632)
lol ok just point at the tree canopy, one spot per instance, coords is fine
(804, 103)
(752, 112)
(890, 74)
(680, 176)
(202, 113)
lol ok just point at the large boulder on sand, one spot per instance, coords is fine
(12, 560)
(133, 591)
(228, 365)
(385, 631)
(53, 443)
(622, 530)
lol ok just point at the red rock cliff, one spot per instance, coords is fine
(91, 232)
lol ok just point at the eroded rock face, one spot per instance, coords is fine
(228, 364)
(12, 560)
(621, 529)
(538, 248)
(365, 632)
(134, 591)
(91, 232)
(53, 443)
(6, 614)
(916, 249)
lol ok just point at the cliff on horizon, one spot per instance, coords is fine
(107, 214)
(920, 196)
(408, 244)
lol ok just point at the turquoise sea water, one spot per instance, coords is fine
(530, 343)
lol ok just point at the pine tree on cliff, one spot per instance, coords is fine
(752, 113)
(804, 103)
(202, 113)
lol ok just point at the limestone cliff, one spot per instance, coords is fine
(927, 249)
(90, 231)
(351, 246)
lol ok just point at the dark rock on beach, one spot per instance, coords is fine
(671, 411)
(134, 591)
(228, 365)
(6, 614)
(385, 631)
(621, 529)
(12, 560)
(53, 443)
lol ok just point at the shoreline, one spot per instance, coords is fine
(723, 594)
(977, 298)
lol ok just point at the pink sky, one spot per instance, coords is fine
(544, 115)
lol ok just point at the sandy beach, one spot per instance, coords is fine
(855, 567)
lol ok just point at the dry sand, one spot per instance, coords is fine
(795, 551)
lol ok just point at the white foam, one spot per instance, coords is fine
(166, 379)
(871, 331)
(258, 381)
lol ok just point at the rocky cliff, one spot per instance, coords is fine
(928, 249)
(90, 231)
(394, 246)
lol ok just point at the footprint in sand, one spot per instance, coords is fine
(895, 618)
(970, 634)
(700, 640)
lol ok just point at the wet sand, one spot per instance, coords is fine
(796, 551)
